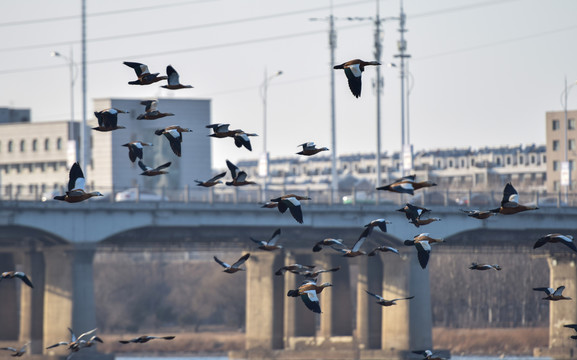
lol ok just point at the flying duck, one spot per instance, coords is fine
(566, 240)
(308, 292)
(294, 268)
(353, 71)
(427, 355)
(231, 269)
(143, 74)
(380, 223)
(479, 214)
(108, 120)
(475, 266)
(553, 295)
(356, 249)
(16, 274)
(313, 274)
(572, 326)
(291, 202)
(242, 139)
(212, 181)
(383, 249)
(148, 171)
(76, 184)
(17, 353)
(238, 176)
(135, 149)
(414, 213)
(174, 135)
(407, 185)
(174, 80)
(76, 343)
(327, 242)
(145, 338)
(309, 148)
(150, 112)
(221, 130)
(420, 222)
(382, 301)
(510, 202)
(423, 244)
(271, 243)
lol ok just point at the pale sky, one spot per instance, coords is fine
(484, 71)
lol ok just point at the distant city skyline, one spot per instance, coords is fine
(484, 72)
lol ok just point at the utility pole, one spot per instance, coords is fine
(332, 45)
(83, 157)
(406, 152)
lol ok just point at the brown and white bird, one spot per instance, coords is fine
(77, 343)
(308, 291)
(135, 149)
(356, 249)
(294, 268)
(291, 202)
(271, 243)
(553, 294)
(510, 202)
(309, 148)
(17, 352)
(353, 70)
(231, 269)
(145, 338)
(327, 242)
(475, 266)
(382, 301)
(148, 171)
(174, 135)
(313, 274)
(174, 80)
(238, 176)
(479, 214)
(76, 183)
(143, 74)
(566, 240)
(414, 213)
(407, 185)
(17, 274)
(212, 181)
(151, 112)
(383, 249)
(428, 355)
(422, 243)
(380, 223)
(108, 120)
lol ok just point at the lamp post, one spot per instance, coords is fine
(264, 160)
(71, 137)
(565, 168)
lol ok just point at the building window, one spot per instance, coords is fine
(555, 124)
(508, 160)
(439, 164)
(59, 144)
(462, 163)
(472, 162)
(532, 159)
(22, 145)
(571, 144)
(34, 145)
(571, 124)
(520, 160)
(47, 144)
(450, 163)
(498, 161)
(555, 145)
(555, 165)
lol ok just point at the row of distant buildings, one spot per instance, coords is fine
(35, 157)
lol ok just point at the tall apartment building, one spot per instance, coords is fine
(561, 140)
(35, 156)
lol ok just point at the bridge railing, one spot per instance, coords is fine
(318, 195)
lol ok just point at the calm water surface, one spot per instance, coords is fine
(226, 358)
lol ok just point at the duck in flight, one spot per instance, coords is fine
(231, 269)
(76, 184)
(475, 266)
(510, 202)
(77, 343)
(143, 74)
(382, 301)
(174, 80)
(422, 243)
(135, 149)
(356, 249)
(151, 112)
(212, 181)
(291, 202)
(17, 352)
(479, 214)
(553, 295)
(238, 176)
(145, 338)
(17, 274)
(309, 148)
(174, 135)
(327, 242)
(383, 249)
(308, 292)
(108, 120)
(566, 240)
(407, 185)
(270, 244)
(413, 213)
(148, 171)
(294, 268)
(353, 70)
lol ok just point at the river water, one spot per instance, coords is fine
(226, 358)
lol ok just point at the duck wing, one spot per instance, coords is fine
(361, 239)
(559, 291)
(175, 139)
(242, 139)
(568, 241)
(144, 167)
(173, 78)
(222, 263)
(233, 169)
(353, 74)
(295, 208)
(139, 69)
(76, 178)
(423, 252)
(547, 290)
(274, 238)
(311, 301)
(217, 177)
(509, 195)
(163, 166)
(241, 261)
(374, 295)
(22, 276)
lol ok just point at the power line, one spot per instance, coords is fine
(178, 29)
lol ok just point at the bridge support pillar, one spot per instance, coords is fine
(31, 301)
(264, 305)
(8, 299)
(563, 271)
(369, 314)
(408, 324)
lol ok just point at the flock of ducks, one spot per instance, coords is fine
(309, 289)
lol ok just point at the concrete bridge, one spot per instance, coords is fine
(55, 244)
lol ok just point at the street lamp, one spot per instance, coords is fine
(264, 159)
(565, 168)
(71, 137)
